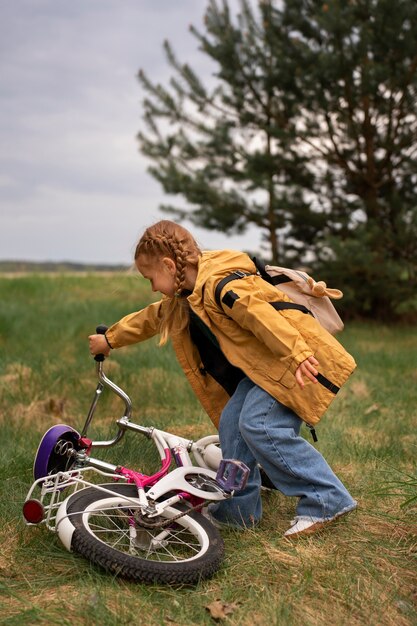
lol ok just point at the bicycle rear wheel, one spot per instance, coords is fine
(109, 532)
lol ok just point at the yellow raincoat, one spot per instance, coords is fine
(266, 344)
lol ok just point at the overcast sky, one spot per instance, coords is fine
(73, 184)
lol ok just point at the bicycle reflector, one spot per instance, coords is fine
(33, 511)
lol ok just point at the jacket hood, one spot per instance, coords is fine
(214, 265)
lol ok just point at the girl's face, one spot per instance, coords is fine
(160, 272)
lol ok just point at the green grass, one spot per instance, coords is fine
(362, 572)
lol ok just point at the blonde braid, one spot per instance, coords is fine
(181, 264)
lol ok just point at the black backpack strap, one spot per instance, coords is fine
(225, 280)
(279, 306)
(273, 280)
(260, 266)
(282, 306)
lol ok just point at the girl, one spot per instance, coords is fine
(258, 372)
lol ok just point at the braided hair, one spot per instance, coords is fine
(168, 239)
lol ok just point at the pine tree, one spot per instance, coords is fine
(308, 132)
(229, 149)
(359, 84)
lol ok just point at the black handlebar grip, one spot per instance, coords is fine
(100, 330)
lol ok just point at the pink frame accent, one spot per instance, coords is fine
(142, 480)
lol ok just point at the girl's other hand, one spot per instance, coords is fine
(307, 368)
(98, 345)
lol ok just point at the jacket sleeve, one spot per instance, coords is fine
(249, 306)
(135, 327)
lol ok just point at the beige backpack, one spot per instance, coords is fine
(307, 295)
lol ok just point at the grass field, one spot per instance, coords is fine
(362, 572)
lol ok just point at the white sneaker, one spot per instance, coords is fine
(304, 526)
(309, 525)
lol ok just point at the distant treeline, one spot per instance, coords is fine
(62, 266)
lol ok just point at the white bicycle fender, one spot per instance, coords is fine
(207, 452)
(63, 526)
(212, 456)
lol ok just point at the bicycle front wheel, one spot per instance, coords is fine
(110, 533)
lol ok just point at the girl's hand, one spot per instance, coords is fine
(98, 345)
(308, 369)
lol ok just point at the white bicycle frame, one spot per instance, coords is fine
(194, 477)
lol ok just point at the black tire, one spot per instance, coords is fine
(192, 550)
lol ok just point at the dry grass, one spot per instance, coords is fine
(361, 572)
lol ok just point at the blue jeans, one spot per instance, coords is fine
(257, 429)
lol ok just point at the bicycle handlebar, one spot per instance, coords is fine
(105, 382)
(100, 330)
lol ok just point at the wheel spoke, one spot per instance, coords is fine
(112, 527)
(184, 547)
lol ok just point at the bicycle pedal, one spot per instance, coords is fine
(232, 475)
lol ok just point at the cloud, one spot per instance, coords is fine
(74, 185)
